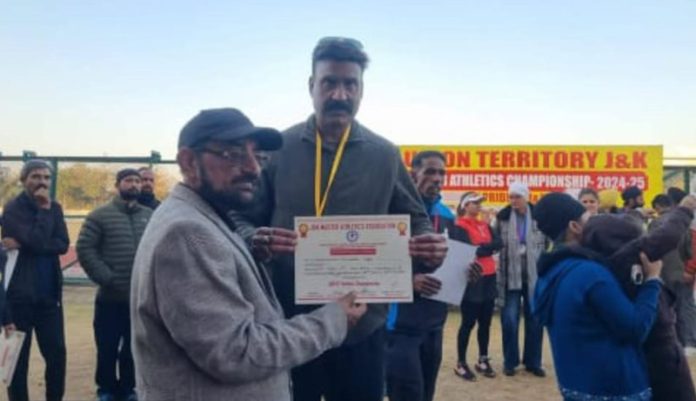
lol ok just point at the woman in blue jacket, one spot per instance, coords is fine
(596, 331)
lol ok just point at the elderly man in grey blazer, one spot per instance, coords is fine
(207, 325)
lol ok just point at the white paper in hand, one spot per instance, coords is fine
(9, 354)
(10, 266)
(454, 272)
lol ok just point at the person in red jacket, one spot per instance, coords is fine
(479, 297)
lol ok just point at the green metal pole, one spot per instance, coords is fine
(54, 187)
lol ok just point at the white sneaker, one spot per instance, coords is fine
(690, 351)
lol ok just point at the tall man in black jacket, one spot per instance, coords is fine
(34, 224)
(369, 178)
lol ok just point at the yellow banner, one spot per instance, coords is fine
(491, 169)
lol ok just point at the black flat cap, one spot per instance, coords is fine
(226, 125)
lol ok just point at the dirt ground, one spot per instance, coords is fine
(81, 362)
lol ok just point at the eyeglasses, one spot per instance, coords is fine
(340, 40)
(237, 155)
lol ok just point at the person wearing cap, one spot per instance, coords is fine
(106, 248)
(33, 224)
(147, 196)
(479, 298)
(207, 325)
(522, 245)
(331, 164)
(596, 331)
(414, 350)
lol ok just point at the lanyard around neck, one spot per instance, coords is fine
(319, 201)
(522, 229)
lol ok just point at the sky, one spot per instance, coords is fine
(120, 78)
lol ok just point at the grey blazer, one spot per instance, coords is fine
(206, 324)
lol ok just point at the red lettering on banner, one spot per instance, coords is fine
(546, 156)
(464, 159)
(508, 159)
(577, 160)
(457, 159)
(639, 160)
(523, 159)
(610, 160)
(560, 160)
(495, 159)
(482, 158)
(592, 158)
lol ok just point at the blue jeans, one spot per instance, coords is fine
(533, 331)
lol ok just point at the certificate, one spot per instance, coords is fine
(365, 254)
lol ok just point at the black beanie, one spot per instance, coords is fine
(631, 193)
(126, 172)
(554, 211)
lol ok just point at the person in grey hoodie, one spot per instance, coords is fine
(106, 248)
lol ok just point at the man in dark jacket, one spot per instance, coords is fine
(414, 345)
(106, 249)
(34, 225)
(299, 181)
(673, 270)
(147, 191)
(619, 240)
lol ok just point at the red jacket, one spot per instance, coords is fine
(477, 232)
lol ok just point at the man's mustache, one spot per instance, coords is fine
(338, 105)
(41, 186)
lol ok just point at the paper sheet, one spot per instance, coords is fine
(9, 354)
(453, 273)
(10, 266)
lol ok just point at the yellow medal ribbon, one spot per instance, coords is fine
(319, 202)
